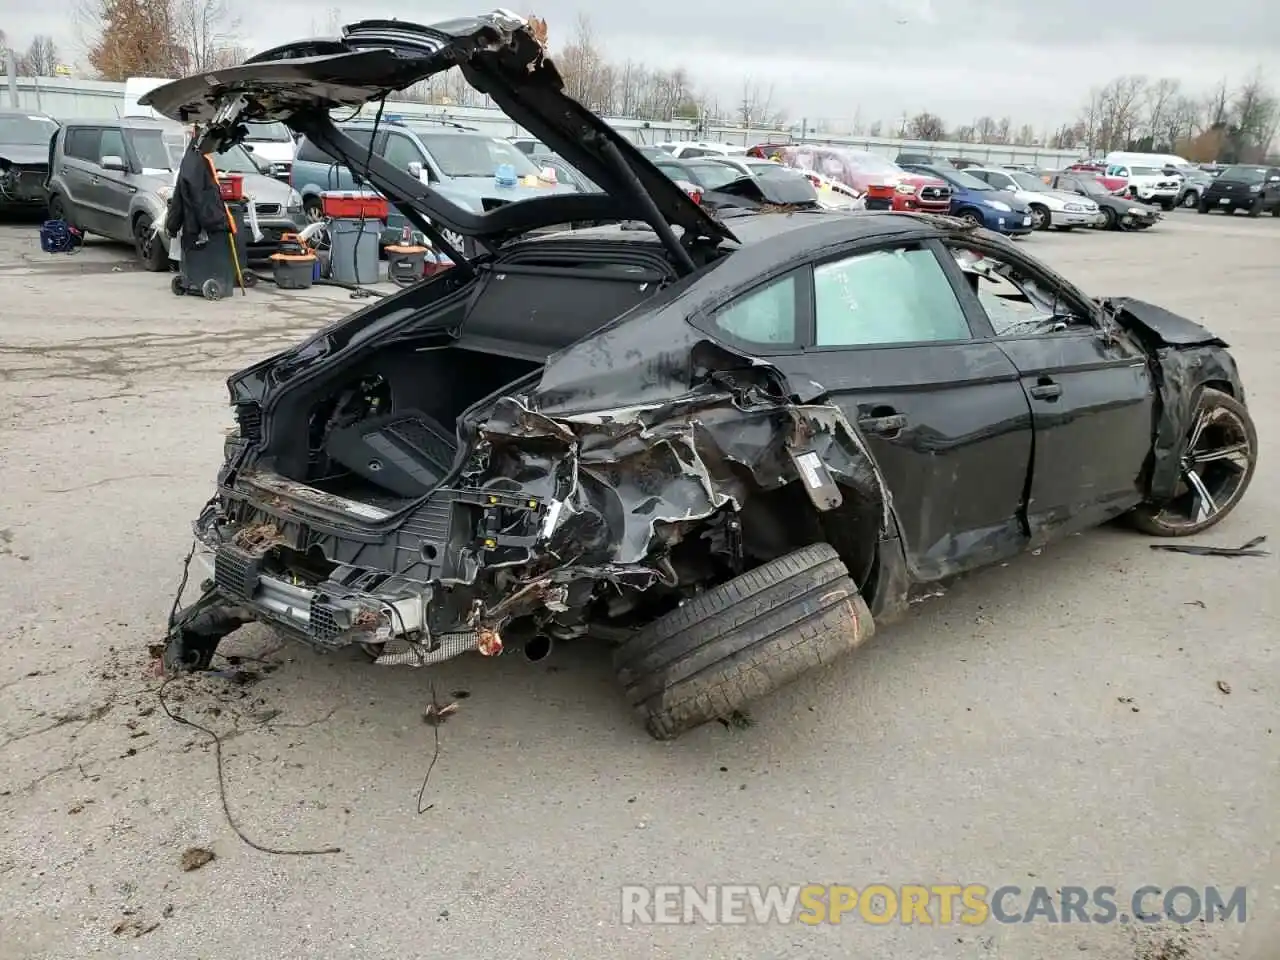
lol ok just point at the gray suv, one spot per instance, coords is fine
(457, 163)
(114, 178)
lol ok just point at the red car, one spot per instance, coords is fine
(884, 184)
(1098, 172)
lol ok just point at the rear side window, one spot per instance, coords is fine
(111, 145)
(764, 316)
(82, 143)
(885, 296)
(308, 152)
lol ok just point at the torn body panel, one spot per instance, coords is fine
(1184, 358)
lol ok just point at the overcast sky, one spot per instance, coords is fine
(1031, 61)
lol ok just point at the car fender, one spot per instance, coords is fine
(151, 205)
(1184, 358)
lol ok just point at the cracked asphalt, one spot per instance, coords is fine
(1055, 721)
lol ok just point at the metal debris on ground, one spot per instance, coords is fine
(435, 714)
(1247, 549)
(193, 858)
(1224, 686)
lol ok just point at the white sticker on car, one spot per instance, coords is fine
(809, 465)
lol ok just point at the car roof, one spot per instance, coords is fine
(6, 112)
(793, 233)
(126, 123)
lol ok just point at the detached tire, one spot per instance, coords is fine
(742, 640)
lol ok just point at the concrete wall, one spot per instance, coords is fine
(64, 98)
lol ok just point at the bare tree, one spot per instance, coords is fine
(41, 58)
(1025, 136)
(1002, 130)
(1217, 106)
(964, 134)
(755, 109)
(926, 126)
(1255, 114)
(875, 128)
(985, 129)
(203, 32)
(1159, 102)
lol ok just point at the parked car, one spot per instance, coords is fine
(830, 194)
(978, 202)
(1049, 207)
(1118, 213)
(883, 185)
(1147, 184)
(1194, 182)
(721, 444)
(114, 178)
(456, 161)
(530, 146)
(565, 172)
(273, 147)
(1251, 187)
(24, 160)
(690, 149)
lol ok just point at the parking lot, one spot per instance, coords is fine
(1097, 714)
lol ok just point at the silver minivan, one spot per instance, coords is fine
(114, 178)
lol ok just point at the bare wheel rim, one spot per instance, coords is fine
(1213, 468)
(1190, 200)
(145, 239)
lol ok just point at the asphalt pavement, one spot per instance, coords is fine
(1096, 714)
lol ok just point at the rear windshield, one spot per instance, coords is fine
(268, 133)
(1244, 174)
(713, 175)
(29, 131)
(474, 155)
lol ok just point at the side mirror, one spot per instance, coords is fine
(415, 169)
(116, 164)
(248, 147)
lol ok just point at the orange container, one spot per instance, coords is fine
(231, 186)
(350, 205)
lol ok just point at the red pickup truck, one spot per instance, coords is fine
(883, 184)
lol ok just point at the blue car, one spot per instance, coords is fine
(979, 202)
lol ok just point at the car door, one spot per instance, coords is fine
(1090, 389)
(79, 175)
(882, 332)
(114, 188)
(1272, 188)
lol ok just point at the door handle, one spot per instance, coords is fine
(1046, 389)
(886, 426)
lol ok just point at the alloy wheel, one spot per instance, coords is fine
(1214, 468)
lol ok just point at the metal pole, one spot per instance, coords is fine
(11, 68)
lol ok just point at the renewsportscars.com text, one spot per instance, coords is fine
(934, 904)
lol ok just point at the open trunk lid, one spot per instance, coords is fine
(500, 56)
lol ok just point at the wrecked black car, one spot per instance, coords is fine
(730, 443)
(24, 160)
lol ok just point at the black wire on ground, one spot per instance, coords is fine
(222, 788)
(217, 741)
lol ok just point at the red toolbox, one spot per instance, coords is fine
(354, 205)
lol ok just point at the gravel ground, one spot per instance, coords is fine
(1058, 720)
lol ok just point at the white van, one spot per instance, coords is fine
(1161, 160)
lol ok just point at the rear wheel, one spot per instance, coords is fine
(1217, 465)
(1109, 221)
(741, 640)
(58, 209)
